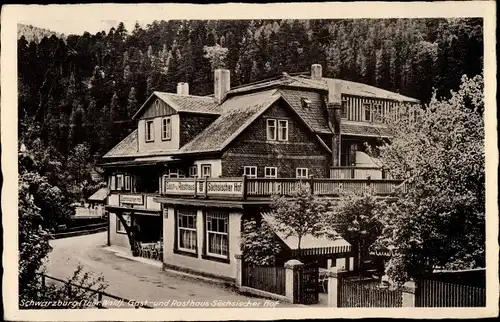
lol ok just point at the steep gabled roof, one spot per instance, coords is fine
(127, 147)
(314, 113)
(183, 103)
(356, 89)
(237, 114)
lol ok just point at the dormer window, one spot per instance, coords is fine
(166, 129)
(150, 131)
(306, 103)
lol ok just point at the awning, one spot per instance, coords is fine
(99, 195)
(309, 244)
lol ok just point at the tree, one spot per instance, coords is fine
(217, 56)
(299, 215)
(132, 104)
(258, 243)
(355, 216)
(439, 152)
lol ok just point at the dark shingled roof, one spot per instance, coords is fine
(126, 147)
(315, 114)
(360, 129)
(237, 113)
(190, 103)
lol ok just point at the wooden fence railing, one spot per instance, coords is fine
(356, 294)
(82, 230)
(441, 294)
(99, 302)
(266, 187)
(269, 279)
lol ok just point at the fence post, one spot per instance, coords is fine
(239, 270)
(408, 294)
(244, 187)
(311, 183)
(291, 279)
(334, 274)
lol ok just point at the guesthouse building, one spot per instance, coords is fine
(197, 166)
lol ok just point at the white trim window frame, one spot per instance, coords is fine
(367, 108)
(205, 172)
(149, 133)
(271, 129)
(166, 128)
(250, 171)
(127, 182)
(270, 172)
(217, 234)
(193, 171)
(282, 130)
(119, 182)
(186, 231)
(343, 111)
(302, 173)
(119, 226)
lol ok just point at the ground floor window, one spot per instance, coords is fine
(217, 241)
(186, 230)
(119, 226)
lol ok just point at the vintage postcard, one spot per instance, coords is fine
(237, 161)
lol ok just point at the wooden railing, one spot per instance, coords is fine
(264, 187)
(359, 173)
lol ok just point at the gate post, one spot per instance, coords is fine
(292, 282)
(334, 274)
(408, 294)
(239, 270)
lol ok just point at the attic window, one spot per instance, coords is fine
(306, 103)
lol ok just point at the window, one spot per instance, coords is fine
(306, 103)
(367, 112)
(149, 131)
(378, 113)
(166, 129)
(157, 105)
(127, 182)
(119, 226)
(250, 172)
(302, 173)
(217, 234)
(186, 230)
(343, 113)
(119, 181)
(270, 172)
(113, 183)
(283, 130)
(271, 130)
(206, 170)
(193, 171)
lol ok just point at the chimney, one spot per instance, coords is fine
(221, 84)
(334, 107)
(183, 88)
(316, 72)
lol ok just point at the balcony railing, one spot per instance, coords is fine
(359, 173)
(262, 187)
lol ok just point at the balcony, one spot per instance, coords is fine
(248, 188)
(358, 173)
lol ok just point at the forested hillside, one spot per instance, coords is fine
(36, 34)
(81, 91)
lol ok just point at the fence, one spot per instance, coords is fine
(356, 294)
(441, 294)
(82, 230)
(269, 279)
(99, 302)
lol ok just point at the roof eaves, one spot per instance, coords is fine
(143, 105)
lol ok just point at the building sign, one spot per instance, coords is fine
(132, 199)
(179, 187)
(183, 187)
(225, 188)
